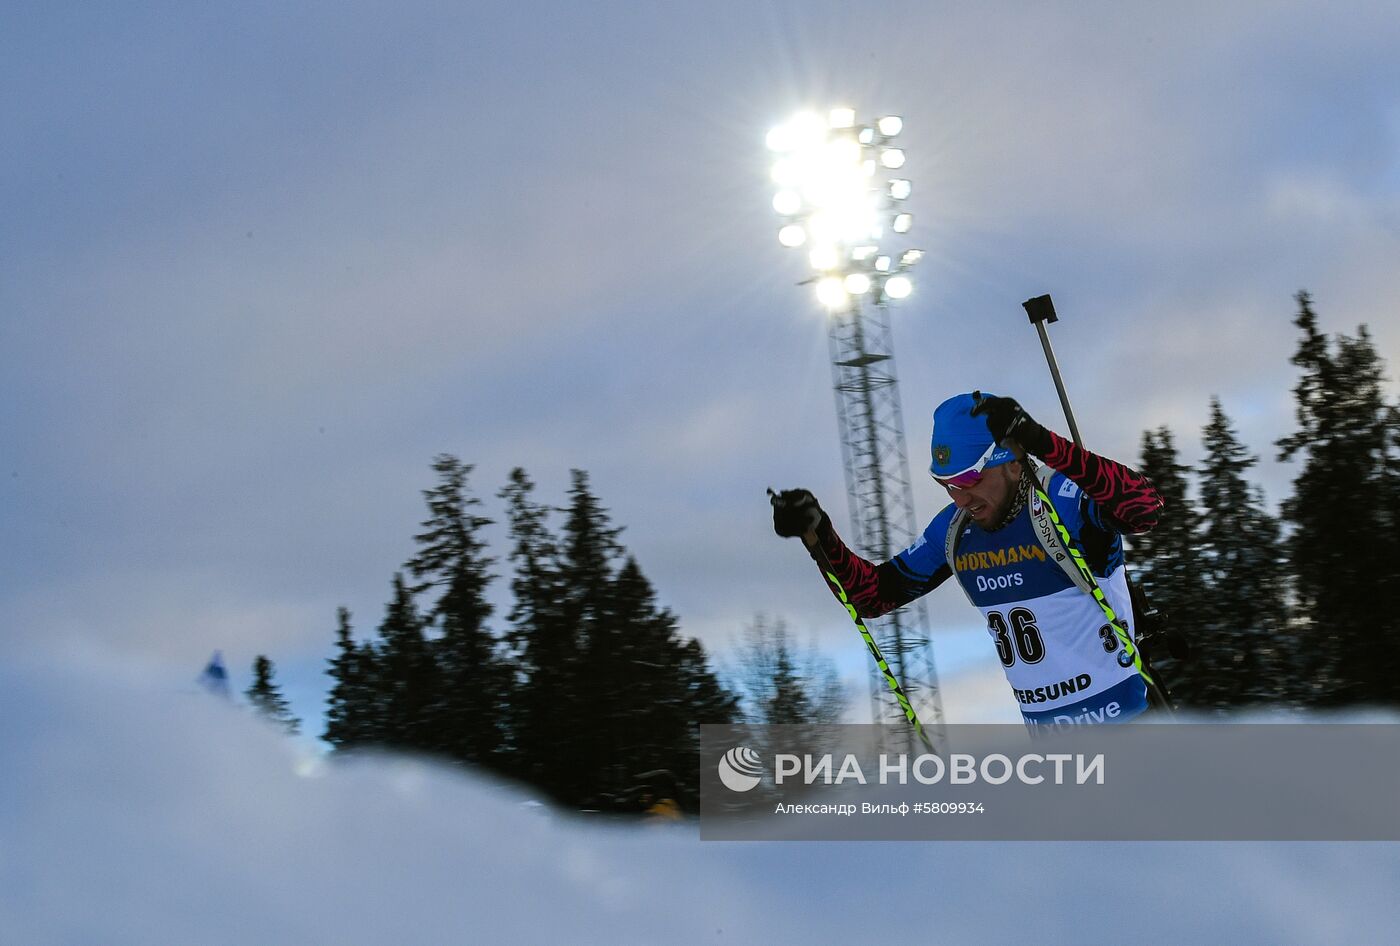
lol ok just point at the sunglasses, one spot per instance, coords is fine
(968, 477)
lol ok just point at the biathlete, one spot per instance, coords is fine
(1038, 550)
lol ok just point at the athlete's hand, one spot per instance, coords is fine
(795, 512)
(1008, 420)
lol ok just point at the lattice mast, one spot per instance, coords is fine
(880, 496)
(840, 202)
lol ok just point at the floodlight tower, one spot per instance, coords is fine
(841, 203)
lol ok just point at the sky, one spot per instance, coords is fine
(206, 826)
(260, 263)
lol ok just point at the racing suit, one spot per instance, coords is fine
(1063, 661)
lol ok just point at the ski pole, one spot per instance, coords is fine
(825, 564)
(1041, 310)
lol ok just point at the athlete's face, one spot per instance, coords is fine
(987, 500)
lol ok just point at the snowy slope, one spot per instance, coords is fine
(135, 814)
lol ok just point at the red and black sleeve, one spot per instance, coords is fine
(871, 589)
(1124, 495)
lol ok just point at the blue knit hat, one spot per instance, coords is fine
(961, 441)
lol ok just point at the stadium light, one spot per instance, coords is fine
(838, 202)
(892, 158)
(831, 292)
(787, 203)
(792, 235)
(898, 287)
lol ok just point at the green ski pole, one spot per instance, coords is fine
(870, 644)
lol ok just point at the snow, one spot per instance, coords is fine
(136, 812)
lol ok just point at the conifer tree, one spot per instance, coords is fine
(1244, 652)
(544, 646)
(1343, 547)
(467, 718)
(666, 687)
(609, 689)
(267, 699)
(707, 700)
(589, 551)
(710, 701)
(629, 661)
(591, 686)
(352, 706)
(407, 681)
(1164, 561)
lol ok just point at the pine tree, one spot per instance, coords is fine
(407, 682)
(587, 565)
(592, 685)
(1343, 547)
(1389, 516)
(666, 687)
(267, 699)
(609, 689)
(352, 712)
(1164, 561)
(467, 719)
(1244, 652)
(629, 661)
(544, 646)
(706, 701)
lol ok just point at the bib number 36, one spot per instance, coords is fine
(1016, 636)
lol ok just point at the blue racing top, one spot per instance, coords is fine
(1065, 664)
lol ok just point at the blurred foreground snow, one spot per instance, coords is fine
(131, 813)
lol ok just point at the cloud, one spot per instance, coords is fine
(264, 265)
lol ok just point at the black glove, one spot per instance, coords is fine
(795, 511)
(1007, 420)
